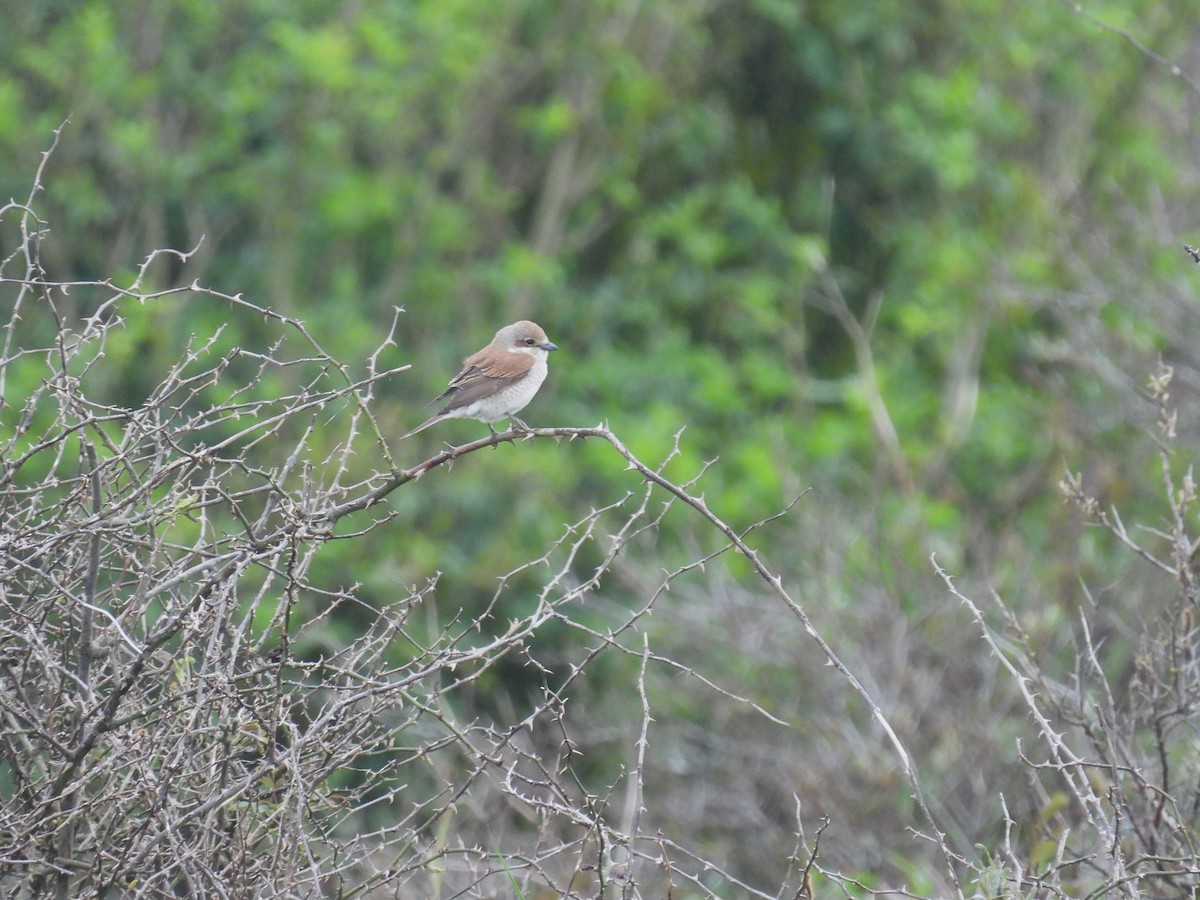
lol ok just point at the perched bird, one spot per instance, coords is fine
(499, 380)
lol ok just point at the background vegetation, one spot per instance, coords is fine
(922, 258)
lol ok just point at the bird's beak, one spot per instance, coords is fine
(548, 346)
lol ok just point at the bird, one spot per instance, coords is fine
(498, 381)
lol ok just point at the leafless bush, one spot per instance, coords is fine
(1115, 781)
(161, 735)
(180, 718)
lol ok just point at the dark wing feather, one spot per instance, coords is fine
(485, 373)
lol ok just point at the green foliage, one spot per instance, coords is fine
(669, 189)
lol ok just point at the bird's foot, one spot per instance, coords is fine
(518, 425)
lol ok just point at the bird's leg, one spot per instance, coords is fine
(518, 425)
(495, 434)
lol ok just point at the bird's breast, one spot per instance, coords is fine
(511, 399)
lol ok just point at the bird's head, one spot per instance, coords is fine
(524, 337)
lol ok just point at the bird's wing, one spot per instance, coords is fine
(485, 373)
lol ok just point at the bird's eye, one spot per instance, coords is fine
(529, 342)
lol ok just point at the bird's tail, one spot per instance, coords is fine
(423, 426)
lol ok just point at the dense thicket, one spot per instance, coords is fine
(919, 256)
